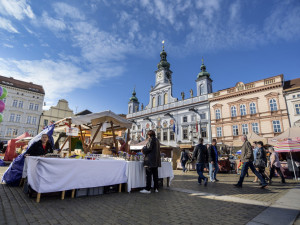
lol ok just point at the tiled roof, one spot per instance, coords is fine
(9, 81)
(295, 83)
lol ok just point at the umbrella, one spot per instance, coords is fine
(24, 140)
(239, 152)
(288, 146)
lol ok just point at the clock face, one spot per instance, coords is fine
(159, 75)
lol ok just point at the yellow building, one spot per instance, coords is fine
(257, 107)
(55, 113)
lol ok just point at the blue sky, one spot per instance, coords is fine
(93, 52)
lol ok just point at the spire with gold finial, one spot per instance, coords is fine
(133, 97)
(203, 70)
(163, 58)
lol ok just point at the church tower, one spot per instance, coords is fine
(203, 82)
(133, 104)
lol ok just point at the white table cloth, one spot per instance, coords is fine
(52, 175)
(136, 174)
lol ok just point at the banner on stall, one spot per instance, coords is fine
(72, 131)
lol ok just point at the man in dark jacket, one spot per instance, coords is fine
(200, 153)
(42, 147)
(247, 158)
(213, 161)
(151, 162)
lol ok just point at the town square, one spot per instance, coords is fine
(150, 112)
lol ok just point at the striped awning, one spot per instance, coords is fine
(287, 146)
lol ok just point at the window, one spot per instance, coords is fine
(18, 118)
(34, 120)
(243, 110)
(139, 127)
(4, 100)
(294, 96)
(21, 104)
(273, 105)
(235, 130)
(36, 107)
(219, 131)
(172, 136)
(184, 119)
(298, 95)
(203, 116)
(276, 126)
(29, 119)
(218, 114)
(193, 118)
(129, 109)
(297, 107)
(233, 111)
(201, 89)
(12, 117)
(255, 128)
(245, 129)
(158, 101)
(31, 106)
(133, 127)
(46, 124)
(158, 136)
(8, 131)
(165, 135)
(15, 132)
(203, 132)
(15, 103)
(153, 102)
(252, 108)
(184, 133)
(165, 98)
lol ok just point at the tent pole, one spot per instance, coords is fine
(81, 138)
(94, 137)
(70, 138)
(293, 166)
(64, 143)
(114, 136)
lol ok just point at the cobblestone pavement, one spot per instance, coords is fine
(166, 207)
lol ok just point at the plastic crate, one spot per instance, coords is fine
(95, 191)
(81, 192)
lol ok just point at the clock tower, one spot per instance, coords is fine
(163, 74)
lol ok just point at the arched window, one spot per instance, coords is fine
(252, 108)
(233, 111)
(165, 98)
(273, 105)
(153, 102)
(243, 110)
(218, 114)
(158, 101)
(201, 89)
(129, 110)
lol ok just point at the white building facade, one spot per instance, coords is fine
(175, 121)
(23, 108)
(292, 96)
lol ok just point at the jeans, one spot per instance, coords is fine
(183, 162)
(244, 171)
(151, 171)
(272, 171)
(200, 168)
(213, 174)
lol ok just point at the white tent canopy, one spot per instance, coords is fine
(292, 133)
(101, 117)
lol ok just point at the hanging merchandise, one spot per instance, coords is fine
(4, 93)
(1, 117)
(2, 106)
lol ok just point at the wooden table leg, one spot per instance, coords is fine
(63, 195)
(38, 197)
(120, 187)
(21, 182)
(168, 181)
(73, 193)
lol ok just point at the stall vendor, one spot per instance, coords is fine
(42, 147)
(124, 146)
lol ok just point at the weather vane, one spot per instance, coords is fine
(202, 60)
(163, 47)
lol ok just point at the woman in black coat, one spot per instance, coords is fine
(151, 162)
(42, 147)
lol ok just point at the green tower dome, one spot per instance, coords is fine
(133, 97)
(203, 71)
(163, 60)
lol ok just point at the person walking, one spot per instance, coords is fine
(151, 161)
(255, 149)
(213, 161)
(247, 158)
(261, 160)
(275, 165)
(183, 159)
(200, 154)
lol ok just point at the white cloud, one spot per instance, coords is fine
(16, 8)
(52, 23)
(6, 25)
(8, 45)
(65, 10)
